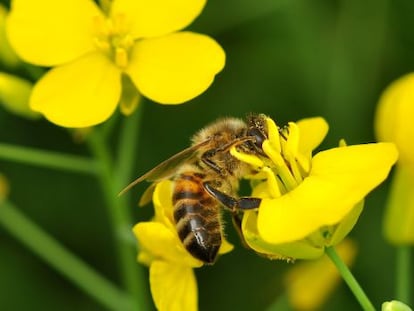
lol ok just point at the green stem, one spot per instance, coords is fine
(124, 166)
(47, 248)
(127, 149)
(48, 159)
(121, 219)
(403, 273)
(350, 279)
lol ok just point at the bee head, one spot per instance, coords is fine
(256, 128)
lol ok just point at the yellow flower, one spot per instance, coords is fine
(172, 280)
(310, 283)
(394, 123)
(309, 203)
(91, 51)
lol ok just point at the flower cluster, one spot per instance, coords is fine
(96, 55)
(309, 202)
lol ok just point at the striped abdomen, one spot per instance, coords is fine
(197, 217)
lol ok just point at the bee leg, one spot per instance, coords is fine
(234, 204)
(206, 158)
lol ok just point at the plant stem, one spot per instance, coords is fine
(48, 159)
(49, 249)
(124, 166)
(121, 219)
(350, 280)
(403, 274)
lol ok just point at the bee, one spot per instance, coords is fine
(206, 178)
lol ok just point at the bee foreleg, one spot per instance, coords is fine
(234, 204)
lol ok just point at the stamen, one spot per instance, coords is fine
(281, 169)
(247, 158)
(292, 145)
(295, 170)
(272, 183)
(273, 133)
(112, 37)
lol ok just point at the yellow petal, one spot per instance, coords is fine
(48, 32)
(173, 288)
(162, 243)
(80, 94)
(339, 179)
(312, 133)
(162, 199)
(309, 284)
(225, 247)
(157, 17)
(399, 216)
(395, 117)
(175, 68)
(302, 249)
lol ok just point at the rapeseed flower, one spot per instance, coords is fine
(394, 123)
(172, 280)
(309, 202)
(92, 51)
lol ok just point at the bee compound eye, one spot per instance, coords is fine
(258, 136)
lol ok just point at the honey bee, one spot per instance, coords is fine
(206, 178)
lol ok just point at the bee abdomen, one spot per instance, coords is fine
(199, 232)
(197, 218)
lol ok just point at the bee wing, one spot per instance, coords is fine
(167, 168)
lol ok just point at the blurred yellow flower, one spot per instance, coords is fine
(172, 280)
(309, 203)
(394, 123)
(91, 51)
(310, 283)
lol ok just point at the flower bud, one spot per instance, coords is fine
(14, 95)
(395, 305)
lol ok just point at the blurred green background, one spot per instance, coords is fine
(289, 59)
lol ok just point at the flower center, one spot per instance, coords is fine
(113, 38)
(286, 167)
(288, 164)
